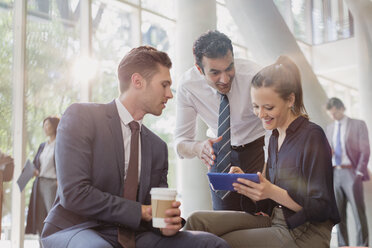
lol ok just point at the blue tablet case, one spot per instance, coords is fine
(224, 181)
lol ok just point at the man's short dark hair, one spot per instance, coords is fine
(212, 44)
(335, 102)
(144, 60)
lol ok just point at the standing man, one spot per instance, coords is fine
(217, 89)
(349, 141)
(107, 161)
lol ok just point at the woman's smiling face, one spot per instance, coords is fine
(273, 111)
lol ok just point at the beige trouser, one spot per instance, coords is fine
(240, 229)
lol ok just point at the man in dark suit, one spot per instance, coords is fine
(96, 149)
(349, 141)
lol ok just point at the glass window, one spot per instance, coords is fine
(115, 32)
(160, 33)
(167, 8)
(299, 19)
(226, 25)
(52, 44)
(330, 20)
(66, 11)
(340, 20)
(6, 87)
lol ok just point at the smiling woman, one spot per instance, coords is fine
(296, 194)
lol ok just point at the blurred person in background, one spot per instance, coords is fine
(350, 154)
(6, 166)
(45, 185)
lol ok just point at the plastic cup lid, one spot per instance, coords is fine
(163, 191)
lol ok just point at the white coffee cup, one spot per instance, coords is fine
(161, 200)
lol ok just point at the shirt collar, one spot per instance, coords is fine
(124, 114)
(292, 128)
(342, 121)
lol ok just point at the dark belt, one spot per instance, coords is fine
(257, 142)
(343, 166)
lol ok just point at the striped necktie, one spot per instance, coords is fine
(222, 149)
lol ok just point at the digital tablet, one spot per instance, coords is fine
(224, 181)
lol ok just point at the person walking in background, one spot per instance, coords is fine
(45, 185)
(350, 148)
(295, 200)
(217, 90)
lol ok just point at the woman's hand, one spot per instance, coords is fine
(236, 170)
(255, 191)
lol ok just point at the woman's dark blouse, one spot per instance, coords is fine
(303, 167)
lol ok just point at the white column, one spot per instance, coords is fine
(19, 125)
(362, 14)
(85, 47)
(268, 37)
(194, 18)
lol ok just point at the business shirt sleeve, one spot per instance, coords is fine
(74, 156)
(186, 119)
(363, 146)
(317, 171)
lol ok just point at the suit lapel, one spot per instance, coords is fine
(146, 158)
(347, 130)
(348, 137)
(117, 137)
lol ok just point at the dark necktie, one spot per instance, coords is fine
(338, 147)
(222, 149)
(125, 236)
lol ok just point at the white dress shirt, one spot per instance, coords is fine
(196, 98)
(47, 166)
(126, 118)
(344, 158)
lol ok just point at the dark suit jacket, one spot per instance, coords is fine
(356, 144)
(35, 218)
(90, 172)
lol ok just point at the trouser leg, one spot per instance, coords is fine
(308, 235)
(341, 201)
(184, 239)
(354, 194)
(48, 192)
(222, 222)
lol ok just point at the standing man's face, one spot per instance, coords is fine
(219, 72)
(336, 114)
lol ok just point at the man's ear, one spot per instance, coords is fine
(137, 81)
(199, 69)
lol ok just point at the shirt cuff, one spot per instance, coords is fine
(359, 173)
